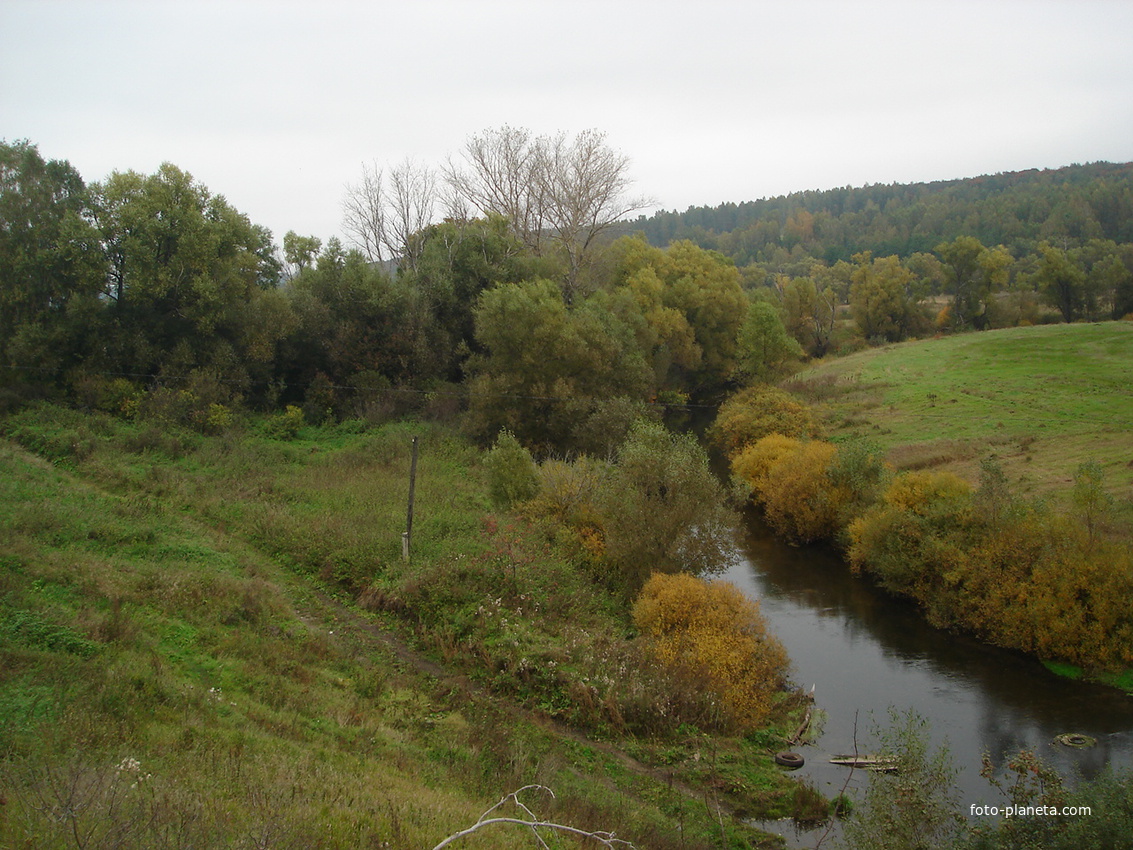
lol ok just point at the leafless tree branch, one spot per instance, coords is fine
(606, 839)
(384, 214)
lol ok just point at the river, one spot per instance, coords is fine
(865, 651)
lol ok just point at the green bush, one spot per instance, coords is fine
(663, 510)
(512, 477)
(286, 425)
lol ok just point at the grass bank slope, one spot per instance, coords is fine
(182, 665)
(1042, 399)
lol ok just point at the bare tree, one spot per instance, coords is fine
(584, 191)
(364, 214)
(386, 223)
(500, 176)
(551, 189)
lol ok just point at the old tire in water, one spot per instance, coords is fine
(1076, 740)
(793, 761)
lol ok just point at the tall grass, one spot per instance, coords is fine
(181, 663)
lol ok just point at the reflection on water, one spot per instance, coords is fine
(865, 651)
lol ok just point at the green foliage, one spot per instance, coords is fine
(184, 269)
(663, 509)
(51, 264)
(693, 306)
(882, 300)
(915, 807)
(1061, 281)
(810, 314)
(764, 349)
(458, 261)
(299, 250)
(1103, 806)
(547, 367)
(860, 475)
(1016, 209)
(511, 471)
(972, 273)
(285, 425)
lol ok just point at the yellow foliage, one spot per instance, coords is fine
(916, 542)
(712, 630)
(922, 492)
(1030, 581)
(790, 480)
(755, 460)
(756, 412)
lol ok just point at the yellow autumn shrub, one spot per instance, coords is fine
(925, 492)
(790, 480)
(756, 412)
(917, 538)
(714, 632)
(752, 463)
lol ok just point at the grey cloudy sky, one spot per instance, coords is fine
(278, 104)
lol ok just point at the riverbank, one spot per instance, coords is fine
(188, 615)
(1047, 575)
(867, 652)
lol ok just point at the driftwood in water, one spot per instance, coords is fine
(805, 725)
(866, 761)
(802, 730)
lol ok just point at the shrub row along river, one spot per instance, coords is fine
(865, 651)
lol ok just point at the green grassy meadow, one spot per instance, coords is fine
(184, 661)
(1041, 399)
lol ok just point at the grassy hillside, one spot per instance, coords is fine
(182, 662)
(1042, 399)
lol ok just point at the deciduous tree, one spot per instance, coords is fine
(663, 508)
(972, 272)
(545, 367)
(1061, 281)
(764, 349)
(50, 253)
(552, 189)
(183, 265)
(881, 299)
(385, 213)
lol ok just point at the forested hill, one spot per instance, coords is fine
(1017, 209)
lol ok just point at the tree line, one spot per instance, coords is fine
(150, 294)
(496, 284)
(906, 260)
(1016, 209)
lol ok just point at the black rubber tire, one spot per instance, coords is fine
(791, 760)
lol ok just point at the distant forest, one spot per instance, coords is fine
(1065, 206)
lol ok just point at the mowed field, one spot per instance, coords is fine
(1042, 399)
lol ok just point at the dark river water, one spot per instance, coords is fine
(865, 651)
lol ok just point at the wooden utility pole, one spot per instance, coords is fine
(405, 538)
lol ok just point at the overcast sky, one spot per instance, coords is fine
(277, 105)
